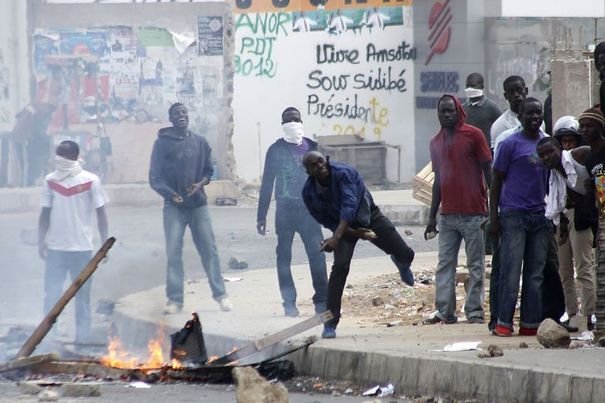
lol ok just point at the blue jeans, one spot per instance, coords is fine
(288, 221)
(524, 240)
(176, 219)
(58, 265)
(453, 228)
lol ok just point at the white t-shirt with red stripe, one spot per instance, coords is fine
(72, 204)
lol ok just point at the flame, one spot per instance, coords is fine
(118, 357)
(176, 364)
(212, 358)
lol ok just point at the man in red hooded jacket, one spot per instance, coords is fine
(461, 161)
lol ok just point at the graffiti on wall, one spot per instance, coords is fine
(254, 48)
(264, 6)
(349, 84)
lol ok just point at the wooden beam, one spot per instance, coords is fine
(273, 339)
(22, 363)
(48, 322)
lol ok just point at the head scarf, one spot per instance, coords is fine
(459, 110)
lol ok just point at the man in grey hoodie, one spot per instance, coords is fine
(181, 166)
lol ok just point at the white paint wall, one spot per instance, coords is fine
(259, 100)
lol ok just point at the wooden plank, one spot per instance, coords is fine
(273, 339)
(22, 363)
(48, 321)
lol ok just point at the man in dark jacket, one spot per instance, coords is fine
(338, 199)
(283, 166)
(180, 168)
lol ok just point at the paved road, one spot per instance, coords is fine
(185, 393)
(137, 260)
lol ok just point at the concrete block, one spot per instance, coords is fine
(509, 384)
(443, 382)
(581, 389)
(349, 362)
(409, 375)
(318, 362)
(332, 363)
(552, 387)
(426, 376)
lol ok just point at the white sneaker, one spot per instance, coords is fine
(225, 304)
(172, 308)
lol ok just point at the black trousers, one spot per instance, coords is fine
(388, 240)
(553, 298)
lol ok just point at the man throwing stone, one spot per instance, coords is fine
(338, 199)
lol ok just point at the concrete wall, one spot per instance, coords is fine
(14, 72)
(526, 46)
(443, 64)
(277, 66)
(210, 101)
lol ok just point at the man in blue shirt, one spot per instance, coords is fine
(338, 199)
(283, 167)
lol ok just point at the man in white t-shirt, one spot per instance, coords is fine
(65, 232)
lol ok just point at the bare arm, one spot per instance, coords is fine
(487, 173)
(435, 202)
(43, 225)
(494, 201)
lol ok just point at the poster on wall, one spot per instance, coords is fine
(210, 36)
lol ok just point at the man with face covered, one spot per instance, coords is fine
(181, 166)
(480, 111)
(461, 161)
(517, 215)
(284, 168)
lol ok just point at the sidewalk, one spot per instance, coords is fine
(399, 355)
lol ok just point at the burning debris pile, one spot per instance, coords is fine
(188, 359)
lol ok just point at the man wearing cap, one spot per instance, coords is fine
(571, 208)
(591, 129)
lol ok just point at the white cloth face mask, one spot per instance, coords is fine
(473, 92)
(293, 132)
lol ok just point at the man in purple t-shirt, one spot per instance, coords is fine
(517, 216)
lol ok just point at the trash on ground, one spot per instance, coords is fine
(232, 279)
(380, 391)
(138, 385)
(461, 346)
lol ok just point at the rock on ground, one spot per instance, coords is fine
(253, 388)
(81, 389)
(552, 335)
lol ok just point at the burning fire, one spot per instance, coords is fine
(118, 357)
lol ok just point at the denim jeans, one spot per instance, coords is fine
(388, 240)
(524, 241)
(289, 220)
(58, 265)
(176, 219)
(453, 228)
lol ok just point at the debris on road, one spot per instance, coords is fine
(552, 335)
(380, 391)
(252, 388)
(492, 351)
(461, 346)
(237, 263)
